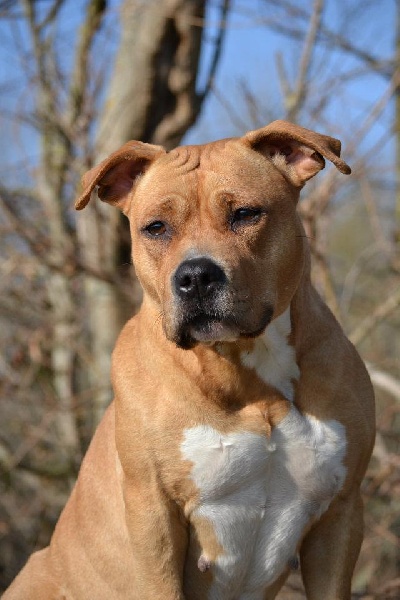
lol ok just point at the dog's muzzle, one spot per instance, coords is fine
(207, 309)
(200, 289)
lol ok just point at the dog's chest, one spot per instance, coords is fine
(257, 495)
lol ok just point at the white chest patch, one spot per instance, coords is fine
(273, 358)
(260, 494)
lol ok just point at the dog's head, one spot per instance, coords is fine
(216, 241)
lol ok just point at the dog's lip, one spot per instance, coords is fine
(203, 320)
(204, 328)
(209, 327)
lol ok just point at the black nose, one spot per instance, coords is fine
(198, 277)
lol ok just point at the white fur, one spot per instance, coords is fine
(260, 494)
(273, 358)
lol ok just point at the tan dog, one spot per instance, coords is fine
(243, 418)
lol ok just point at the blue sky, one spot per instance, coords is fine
(250, 56)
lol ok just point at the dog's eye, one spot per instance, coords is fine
(156, 229)
(245, 215)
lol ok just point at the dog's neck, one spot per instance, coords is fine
(226, 371)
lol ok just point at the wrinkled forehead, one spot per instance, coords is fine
(191, 170)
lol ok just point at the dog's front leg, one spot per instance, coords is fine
(158, 536)
(330, 550)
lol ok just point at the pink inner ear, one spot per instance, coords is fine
(306, 162)
(303, 161)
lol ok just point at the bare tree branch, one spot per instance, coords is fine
(80, 73)
(294, 101)
(331, 38)
(384, 381)
(51, 14)
(218, 44)
(380, 313)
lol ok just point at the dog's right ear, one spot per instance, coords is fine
(116, 176)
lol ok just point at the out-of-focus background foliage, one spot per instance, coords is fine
(78, 78)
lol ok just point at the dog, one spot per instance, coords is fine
(243, 418)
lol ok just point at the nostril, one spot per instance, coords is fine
(212, 276)
(186, 283)
(206, 280)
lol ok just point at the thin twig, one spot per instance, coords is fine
(326, 35)
(385, 381)
(295, 101)
(225, 7)
(379, 314)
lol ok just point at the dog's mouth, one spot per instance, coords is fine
(207, 329)
(204, 328)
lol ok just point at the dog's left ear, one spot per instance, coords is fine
(116, 176)
(297, 152)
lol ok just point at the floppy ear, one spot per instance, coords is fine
(297, 152)
(117, 174)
